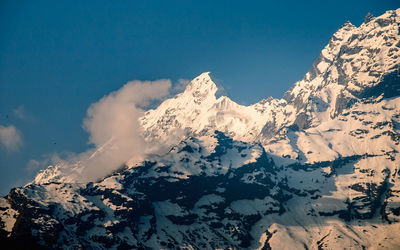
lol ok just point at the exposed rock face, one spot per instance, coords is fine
(315, 169)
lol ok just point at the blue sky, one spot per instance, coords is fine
(58, 57)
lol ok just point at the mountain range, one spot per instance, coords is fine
(317, 169)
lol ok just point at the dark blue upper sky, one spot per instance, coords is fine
(58, 57)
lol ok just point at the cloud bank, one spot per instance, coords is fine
(10, 138)
(113, 125)
(114, 131)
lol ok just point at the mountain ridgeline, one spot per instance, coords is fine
(317, 169)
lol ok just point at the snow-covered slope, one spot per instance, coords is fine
(357, 66)
(316, 169)
(197, 111)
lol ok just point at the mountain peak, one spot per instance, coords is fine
(204, 75)
(369, 17)
(344, 29)
(202, 85)
(342, 34)
(348, 24)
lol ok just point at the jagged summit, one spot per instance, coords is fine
(198, 109)
(369, 17)
(347, 25)
(201, 88)
(201, 82)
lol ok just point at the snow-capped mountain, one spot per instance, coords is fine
(316, 169)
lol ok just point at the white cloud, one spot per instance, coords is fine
(115, 133)
(114, 130)
(10, 138)
(116, 114)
